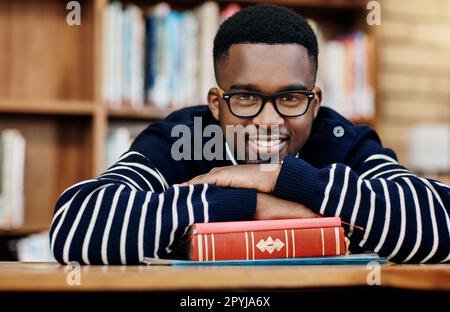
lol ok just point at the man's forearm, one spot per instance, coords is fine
(270, 207)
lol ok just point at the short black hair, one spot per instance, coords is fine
(268, 24)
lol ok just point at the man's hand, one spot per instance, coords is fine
(261, 177)
(270, 207)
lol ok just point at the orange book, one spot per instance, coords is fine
(268, 239)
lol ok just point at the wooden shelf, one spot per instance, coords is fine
(146, 113)
(47, 107)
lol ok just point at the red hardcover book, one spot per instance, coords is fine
(269, 239)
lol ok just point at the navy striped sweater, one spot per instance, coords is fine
(134, 210)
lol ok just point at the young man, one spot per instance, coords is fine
(265, 64)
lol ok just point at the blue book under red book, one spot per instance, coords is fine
(356, 259)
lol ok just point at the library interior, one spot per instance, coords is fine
(79, 80)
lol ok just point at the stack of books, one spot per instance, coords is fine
(314, 241)
(267, 239)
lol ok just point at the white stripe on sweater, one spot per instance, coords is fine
(387, 217)
(328, 189)
(442, 184)
(229, 154)
(113, 169)
(64, 209)
(118, 180)
(75, 185)
(105, 237)
(433, 225)
(389, 171)
(371, 215)
(371, 170)
(123, 233)
(446, 259)
(438, 198)
(163, 179)
(355, 207)
(401, 237)
(343, 192)
(205, 203)
(380, 156)
(164, 184)
(155, 174)
(133, 185)
(174, 217)
(144, 209)
(158, 225)
(400, 175)
(127, 154)
(189, 204)
(137, 173)
(93, 219)
(75, 223)
(418, 221)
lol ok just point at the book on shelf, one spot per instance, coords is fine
(12, 167)
(119, 139)
(344, 74)
(266, 239)
(159, 56)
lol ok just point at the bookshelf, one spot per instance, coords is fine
(50, 89)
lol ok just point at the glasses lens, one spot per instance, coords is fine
(245, 104)
(292, 104)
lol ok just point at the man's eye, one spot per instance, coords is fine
(247, 97)
(288, 98)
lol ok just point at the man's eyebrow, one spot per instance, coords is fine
(251, 87)
(294, 87)
(244, 86)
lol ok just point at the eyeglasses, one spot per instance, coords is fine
(249, 104)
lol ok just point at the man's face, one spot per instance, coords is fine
(266, 69)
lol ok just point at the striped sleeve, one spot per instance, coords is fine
(404, 217)
(130, 212)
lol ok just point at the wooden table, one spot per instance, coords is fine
(47, 277)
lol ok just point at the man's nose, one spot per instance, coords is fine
(268, 116)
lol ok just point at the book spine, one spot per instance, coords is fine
(264, 225)
(274, 244)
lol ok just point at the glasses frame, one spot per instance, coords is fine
(226, 96)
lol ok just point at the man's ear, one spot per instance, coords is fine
(317, 100)
(213, 102)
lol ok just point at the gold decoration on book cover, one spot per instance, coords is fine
(270, 245)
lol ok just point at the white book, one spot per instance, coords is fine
(334, 69)
(133, 56)
(159, 93)
(117, 58)
(13, 167)
(106, 55)
(209, 18)
(190, 60)
(111, 54)
(138, 64)
(118, 142)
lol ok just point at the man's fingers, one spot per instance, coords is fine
(204, 178)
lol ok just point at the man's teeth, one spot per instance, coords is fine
(265, 143)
